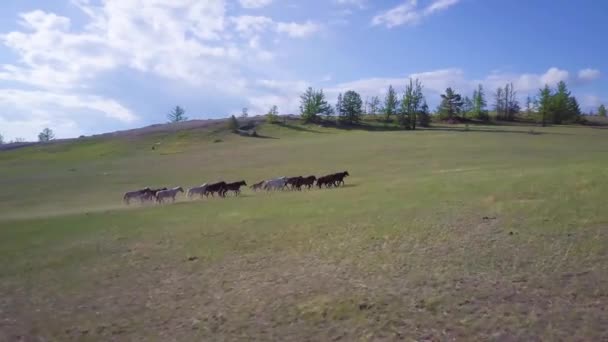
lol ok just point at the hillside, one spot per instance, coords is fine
(485, 232)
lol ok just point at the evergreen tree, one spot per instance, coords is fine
(560, 103)
(467, 107)
(178, 114)
(390, 103)
(451, 104)
(46, 135)
(410, 104)
(351, 108)
(424, 117)
(601, 111)
(313, 104)
(545, 105)
(574, 110)
(1, 139)
(479, 104)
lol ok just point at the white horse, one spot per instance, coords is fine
(275, 184)
(197, 190)
(161, 195)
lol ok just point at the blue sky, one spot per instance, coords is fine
(91, 66)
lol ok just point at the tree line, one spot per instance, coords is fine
(46, 135)
(409, 108)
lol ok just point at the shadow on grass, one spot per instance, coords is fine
(299, 128)
(260, 136)
(364, 126)
(482, 130)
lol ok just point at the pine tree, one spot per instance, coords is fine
(390, 103)
(467, 107)
(178, 114)
(424, 117)
(560, 103)
(601, 111)
(351, 108)
(410, 104)
(451, 104)
(574, 110)
(1, 139)
(479, 104)
(545, 105)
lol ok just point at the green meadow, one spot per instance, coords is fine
(477, 233)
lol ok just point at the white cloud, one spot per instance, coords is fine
(439, 5)
(553, 76)
(356, 3)
(297, 30)
(436, 81)
(25, 99)
(284, 94)
(29, 111)
(404, 14)
(409, 13)
(589, 74)
(254, 3)
(248, 25)
(190, 41)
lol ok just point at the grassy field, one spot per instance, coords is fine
(488, 233)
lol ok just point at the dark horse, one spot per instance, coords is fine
(150, 195)
(294, 182)
(307, 182)
(236, 187)
(215, 188)
(335, 179)
(338, 178)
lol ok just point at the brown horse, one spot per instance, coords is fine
(215, 188)
(235, 187)
(294, 182)
(308, 182)
(338, 178)
(258, 186)
(335, 179)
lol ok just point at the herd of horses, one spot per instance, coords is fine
(222, 189)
